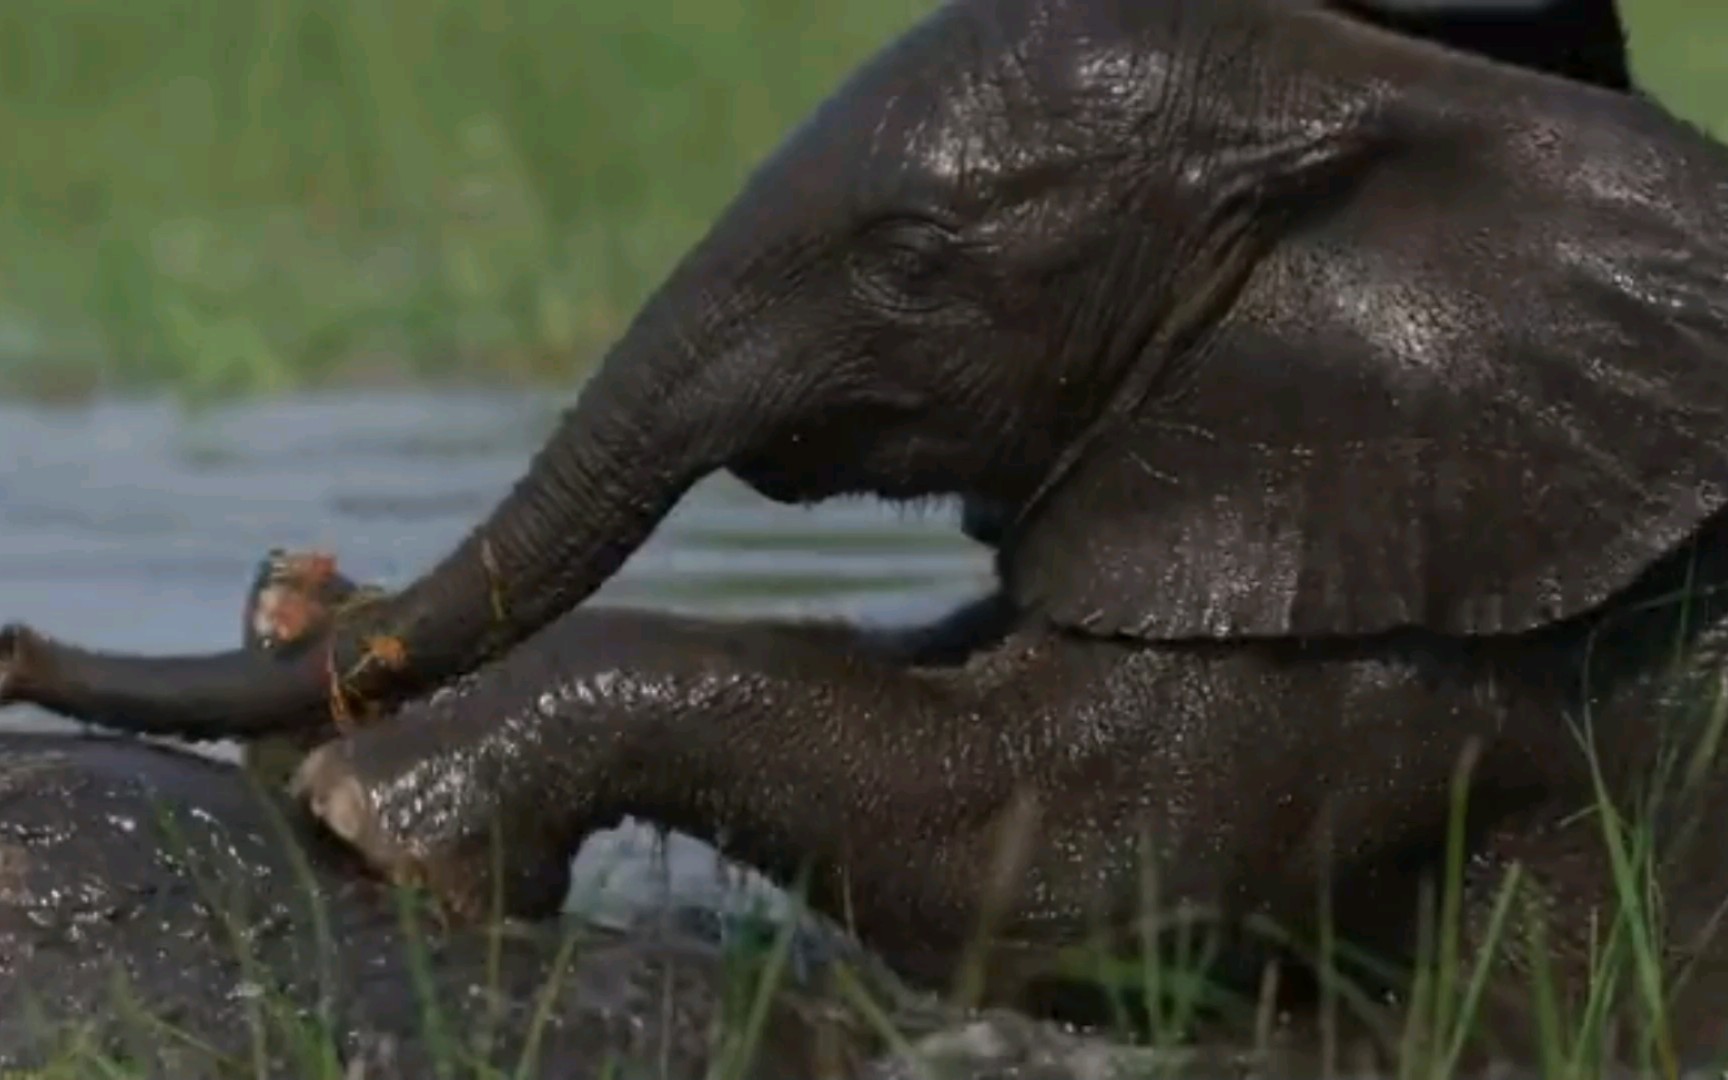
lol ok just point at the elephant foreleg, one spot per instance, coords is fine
(1016, 787)
(787, 745)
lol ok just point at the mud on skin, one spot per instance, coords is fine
(1335, 403)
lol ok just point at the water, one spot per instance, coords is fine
(134, 526)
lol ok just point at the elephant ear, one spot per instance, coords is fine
(1468, 407)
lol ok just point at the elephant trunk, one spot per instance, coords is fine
(640, 435)
(616, 466)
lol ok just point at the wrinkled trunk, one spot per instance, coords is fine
(642, 432)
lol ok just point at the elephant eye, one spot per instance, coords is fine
(902, 261)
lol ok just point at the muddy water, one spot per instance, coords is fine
(136, 526)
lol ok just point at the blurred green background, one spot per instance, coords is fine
(248, 197)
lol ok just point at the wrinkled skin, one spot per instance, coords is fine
(1335, 402)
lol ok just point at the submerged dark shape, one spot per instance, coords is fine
(1340, 406)
(146, 893)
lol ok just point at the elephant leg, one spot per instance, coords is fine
(922, 803)
(787, 745)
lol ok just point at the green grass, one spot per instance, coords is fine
(245, 198)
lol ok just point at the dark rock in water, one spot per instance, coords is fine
(158, 910)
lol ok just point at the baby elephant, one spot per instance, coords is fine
(1349, 415)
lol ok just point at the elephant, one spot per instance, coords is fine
(1578, 39)
(146, 890)
(1317, 386)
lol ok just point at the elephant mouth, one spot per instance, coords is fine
(985, 522)
(810, 462)
(772, 477)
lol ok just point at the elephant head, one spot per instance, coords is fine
(1109, 267)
